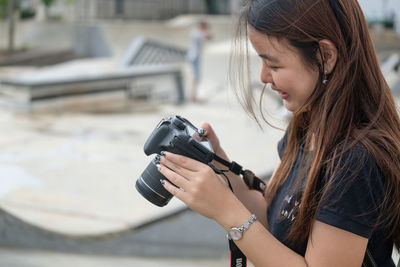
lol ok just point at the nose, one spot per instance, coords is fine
(265, 75)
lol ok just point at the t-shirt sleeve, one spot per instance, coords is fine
(353, 198)
(282, 144)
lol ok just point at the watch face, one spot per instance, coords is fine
(235, 233)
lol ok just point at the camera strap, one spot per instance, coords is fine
(250, 179)
(233, 166)
(238, 259)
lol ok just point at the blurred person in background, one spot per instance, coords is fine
(197, 38)
(334, 198)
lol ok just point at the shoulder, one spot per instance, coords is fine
(350, 159)
(352, 164)
(353, 176)
(352, 190)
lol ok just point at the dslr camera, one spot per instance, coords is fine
(176, 135)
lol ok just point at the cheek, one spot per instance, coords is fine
(312, 80)
(286, 79)
(304, 81)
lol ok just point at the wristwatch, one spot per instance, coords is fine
(236, 233)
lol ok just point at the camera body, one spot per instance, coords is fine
(179, 136)
(176, 135)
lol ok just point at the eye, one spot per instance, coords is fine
(269, 65)
(274, 68)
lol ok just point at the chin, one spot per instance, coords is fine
(289, 107)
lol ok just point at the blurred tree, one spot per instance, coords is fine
(26, 9)
(48, 4)
(3, 9)
(11, 24)
(212, 7)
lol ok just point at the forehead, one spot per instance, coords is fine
(270, 46)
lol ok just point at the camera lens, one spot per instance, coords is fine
(150, 187)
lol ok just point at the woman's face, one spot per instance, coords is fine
(284, 69)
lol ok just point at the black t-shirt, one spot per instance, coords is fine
(351, 204)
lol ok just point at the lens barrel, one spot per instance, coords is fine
(150, 187)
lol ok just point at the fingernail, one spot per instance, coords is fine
(158, 166)
(162, 181)
(202, 131)
(157, 159)
(162, 153)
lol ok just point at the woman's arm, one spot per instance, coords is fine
(199, 187)
(252, 199)
(328, 246)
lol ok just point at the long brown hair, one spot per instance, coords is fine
(354, 108)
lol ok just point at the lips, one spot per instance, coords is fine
(283, 95)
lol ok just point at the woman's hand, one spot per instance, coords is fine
(196, 184)
(212, 137)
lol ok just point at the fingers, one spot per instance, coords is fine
(179, 193)
(212, 137)
(181, 164)
(178, 180)
(179, 170)
(209, 130)
(210, 134)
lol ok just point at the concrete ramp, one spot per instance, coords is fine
(167, 236)
(77, 81)
(145, 67)
(143, 51)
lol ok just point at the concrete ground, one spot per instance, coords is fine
(31, 258)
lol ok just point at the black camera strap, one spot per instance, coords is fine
(233, 166)
(250, 179)
(238, 259)
(237, 256)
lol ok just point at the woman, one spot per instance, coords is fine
(335, 195)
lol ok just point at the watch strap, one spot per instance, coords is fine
(247, 224)
(244, 226)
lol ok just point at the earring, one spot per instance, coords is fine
(325, 80)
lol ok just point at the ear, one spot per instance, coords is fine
(329, 54)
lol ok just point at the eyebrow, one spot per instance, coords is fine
(269, 58)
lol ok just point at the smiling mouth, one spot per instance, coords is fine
(283, 95)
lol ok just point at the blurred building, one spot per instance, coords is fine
(152, 9)
(129, 9)
(384, 13)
